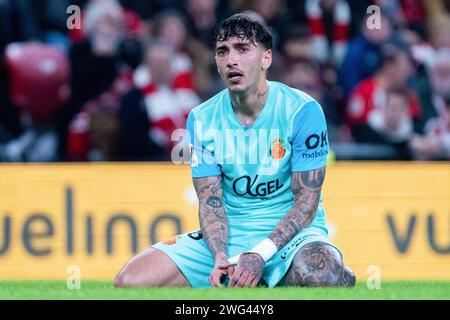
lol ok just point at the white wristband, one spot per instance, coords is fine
(266, 249)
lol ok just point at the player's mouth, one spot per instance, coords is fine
(234, 76)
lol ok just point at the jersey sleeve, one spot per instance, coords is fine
(203, 163)
(309, 138)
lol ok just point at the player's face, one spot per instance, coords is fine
(241, 63)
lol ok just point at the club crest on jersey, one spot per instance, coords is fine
(277, 150)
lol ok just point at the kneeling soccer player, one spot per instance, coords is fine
(258, 178)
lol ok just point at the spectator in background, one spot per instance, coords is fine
(38, 85)
(10, 126)
(51, 18)
(329, 26)
(273, 12)
(169, 28)
(297, 44)
(297, 47)
(304, 75)
(424, 50)
(17, 22)
(202, 19)
(358, 10)
(408, 14)
(370, 95)
(94, 131)
(414, 13)
(439, 31)
(436, 9)
(146, 9)
(99, 77)
(363, 55)
(435, 143)
(389, 128)
(392, 120)
(391, 124)
(434, 89)
(149, 115)
(435, 97)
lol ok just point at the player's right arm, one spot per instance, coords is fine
(207, 178)
(213, 223)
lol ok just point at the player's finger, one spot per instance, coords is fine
(215, 279)
(214, 282)
(211, 281)
(217, 283)
(254, 283)
(233, 280)
(230, 270)
(238, 275)
(220, 278)
(242, 279)
(225, 264)
(248, 282)
(235, 277)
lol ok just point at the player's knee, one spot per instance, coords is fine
(316, 265)
(129, 276)
(150, 268)
(119, 280)
(125, 279)
(329, 276)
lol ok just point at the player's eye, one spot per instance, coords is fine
(220, 53)
(243, 50)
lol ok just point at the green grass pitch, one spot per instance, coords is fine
(103, 290)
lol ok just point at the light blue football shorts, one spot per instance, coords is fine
(191, 254)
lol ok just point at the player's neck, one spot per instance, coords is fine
(251, 102)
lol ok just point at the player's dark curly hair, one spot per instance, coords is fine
(242, 25)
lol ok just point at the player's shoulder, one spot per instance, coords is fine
(208, 108)
(293, 100)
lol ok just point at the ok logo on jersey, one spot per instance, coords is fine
(313, 141)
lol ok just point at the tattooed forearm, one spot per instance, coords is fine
(213, 221)
(306, 187)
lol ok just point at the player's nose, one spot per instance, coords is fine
(232, 60)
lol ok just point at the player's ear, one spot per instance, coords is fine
(267, 59)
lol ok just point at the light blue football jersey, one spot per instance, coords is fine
(256, 162)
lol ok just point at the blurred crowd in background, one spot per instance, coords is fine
(116, 88)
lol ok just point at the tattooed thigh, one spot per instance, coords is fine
(317, 264)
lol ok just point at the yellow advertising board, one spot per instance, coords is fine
(392, 218)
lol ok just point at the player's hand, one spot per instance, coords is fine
(248, 272)
(222, 268)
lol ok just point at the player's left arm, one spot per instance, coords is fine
(309, 158)
(306, 187)
(308, 173)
